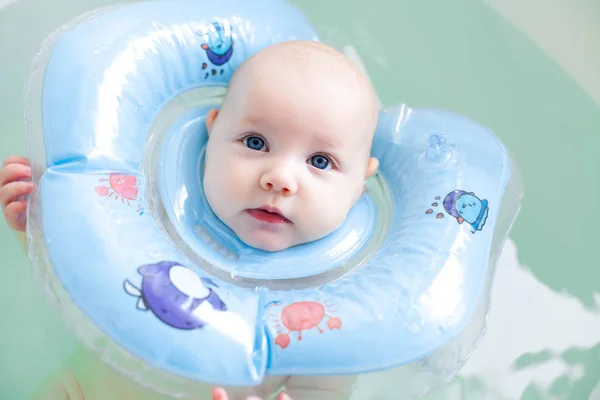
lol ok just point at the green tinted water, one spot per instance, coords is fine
(544, 335)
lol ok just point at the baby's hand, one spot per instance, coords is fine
(221, 394)
(15, 186)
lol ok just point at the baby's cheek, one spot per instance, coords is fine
(240, 175)
(330, 210)
(215, 186)
(237, 182)
(222, 170)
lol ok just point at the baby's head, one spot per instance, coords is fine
(289, 151)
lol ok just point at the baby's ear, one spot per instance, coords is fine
(371, 167)
(210, 119)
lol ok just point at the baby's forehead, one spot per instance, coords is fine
(331, 132)
(307, 78)
(338, 94)
(300, 60)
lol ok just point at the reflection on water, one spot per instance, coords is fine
(540, 344)
(595, 393)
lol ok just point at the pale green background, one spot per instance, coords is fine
(527, 70)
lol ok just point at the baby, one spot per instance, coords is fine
(287, 156)
(289, 150)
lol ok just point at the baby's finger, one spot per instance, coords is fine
(15, 160)
(14, 172)
(15, 215)
(13, 190)
(219, 394)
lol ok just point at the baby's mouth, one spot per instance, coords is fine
(269, 215)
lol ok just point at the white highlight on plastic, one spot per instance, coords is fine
(228, 324)
(445, 297)
(115, 78)
(182, 197)
(188, 282)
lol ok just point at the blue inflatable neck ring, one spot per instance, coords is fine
(180, 183)
(139, 285)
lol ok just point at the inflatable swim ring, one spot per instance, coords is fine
(149, 277)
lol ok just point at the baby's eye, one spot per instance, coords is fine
(319, 161)
(254, 143)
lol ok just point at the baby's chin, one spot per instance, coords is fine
(279, 238)
(269, 241)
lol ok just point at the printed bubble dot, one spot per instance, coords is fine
(102, 190)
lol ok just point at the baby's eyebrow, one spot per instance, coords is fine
(329, 143)
(252, 120)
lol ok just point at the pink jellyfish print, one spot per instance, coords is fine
(303, 316)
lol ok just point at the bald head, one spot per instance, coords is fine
(308, 65)
(307, 58)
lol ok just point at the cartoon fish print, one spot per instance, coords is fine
(467, 207)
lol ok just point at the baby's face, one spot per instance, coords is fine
(287, 158)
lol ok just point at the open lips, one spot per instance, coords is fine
(268, 214)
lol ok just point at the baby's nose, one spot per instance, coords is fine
(279, 180)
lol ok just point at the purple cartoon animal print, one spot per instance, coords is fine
(174, 294)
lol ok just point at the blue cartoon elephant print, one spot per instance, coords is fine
(175, 294)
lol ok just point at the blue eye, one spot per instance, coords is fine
(254, 143)
(319, 161)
